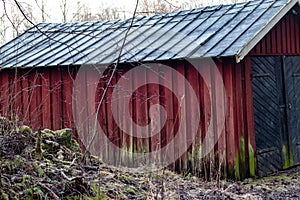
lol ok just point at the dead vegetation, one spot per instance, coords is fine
(48, 165)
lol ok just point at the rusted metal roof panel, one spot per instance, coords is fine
(214, 31)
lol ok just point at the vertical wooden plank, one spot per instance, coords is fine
(273, 40)
(26, 97)
(263, 45)
(297, 34)
(82, 109)
(166, 99)
(229, 121)
(244, 128)
(192, 76)
(100, 146)
(279, 37)
(153, 94)
(39, 99)
(18, 95)
(256, 49)
(293, 36)
(113, 132)
(68, 75)
(269, 43)
(250, 116)
(35, 113)
(220, 118)
(140, 110)
(207, 118)
(283, 39)
(56, 103)
(46, 98)
(288, 34)
(240, 140)
(15, 95)
(5, 91)
(180, 113)
(90, 101)
(125, 127)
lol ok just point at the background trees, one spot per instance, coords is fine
(13, 22)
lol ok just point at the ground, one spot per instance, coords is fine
(49, 165)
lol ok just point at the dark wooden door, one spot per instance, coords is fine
(267, 98)
(276, 93)
(291, 65)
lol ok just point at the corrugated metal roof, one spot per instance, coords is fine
(222, 30)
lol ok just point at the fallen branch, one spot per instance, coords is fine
(49, 190)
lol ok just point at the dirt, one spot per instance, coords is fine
(49, 165)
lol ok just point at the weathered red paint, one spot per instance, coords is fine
(283, 39)
(43, 97)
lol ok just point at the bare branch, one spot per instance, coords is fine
(9, 19)
(110, 80)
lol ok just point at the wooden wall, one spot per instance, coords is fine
(283, 39)
(42, 98)
(39, 97)
(234, 151)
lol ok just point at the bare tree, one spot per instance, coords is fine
(64, 7)
(150, 7)
(3, 29)
(107, 13)
(192, 4)
(43, 11)
(83, 13)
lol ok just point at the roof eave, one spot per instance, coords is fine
(263, 32)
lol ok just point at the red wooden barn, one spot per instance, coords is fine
(226, 78)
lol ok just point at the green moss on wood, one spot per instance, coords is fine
(242, 151)
(237, 167)
(251, 160)
(288, 160)
(242, 158)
